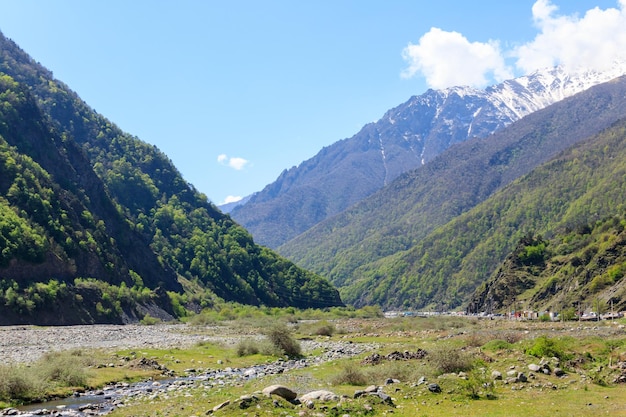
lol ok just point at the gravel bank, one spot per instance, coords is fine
(29, 343)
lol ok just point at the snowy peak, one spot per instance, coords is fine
(522, 96)
(405, 138)
(444, 117)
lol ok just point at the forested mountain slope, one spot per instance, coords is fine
(578, 269)
(581, 186)
(401, 214)
(405, 138)
(136, 215)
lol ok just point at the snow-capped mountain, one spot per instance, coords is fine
(405, 138)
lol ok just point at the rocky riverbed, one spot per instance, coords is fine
(29, 343)
(26, 344)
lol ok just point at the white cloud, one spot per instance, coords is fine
(593, 41)
(233, 162)
(231, 199)
(448, 58)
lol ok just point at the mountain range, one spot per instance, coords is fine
(438, 232)
(406, 137)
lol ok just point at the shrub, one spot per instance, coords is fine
(18, 383)
(281, 338)
(351, 374)
(65, 368)
(247, 347)
(497, 344)
(477, 383)
(546, 347)
(449, 360)
(148, 320)
(325, 329)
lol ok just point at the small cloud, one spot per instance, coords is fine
(231, 199)
(233, 162)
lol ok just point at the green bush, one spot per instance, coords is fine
(247, 347)
(548, 348)
(449, 360)
(65, 368)
(497, 344)
(351, 374)
(477, 383)
(148, 320)
(18, 383)
(281, 338)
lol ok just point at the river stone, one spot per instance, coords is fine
(320, 395)
(434, 388)
(281, 391)
(220, 406)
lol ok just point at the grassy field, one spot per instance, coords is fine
(463, 357)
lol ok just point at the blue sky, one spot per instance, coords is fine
(234, 92)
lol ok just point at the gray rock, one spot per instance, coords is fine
(434, 388)
(221, 405)
(319, 395)
(559, 372)
(521, 377)
(385, 398)
(371, 388)
(281, 391)
(534, 367)
(496, 375)
(421, 381)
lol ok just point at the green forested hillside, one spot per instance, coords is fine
(578, 269)
(583, 185)
(400, 215)
(90, 201)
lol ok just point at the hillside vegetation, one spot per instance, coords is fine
(402, 214)
(82, 201)
(583, 185)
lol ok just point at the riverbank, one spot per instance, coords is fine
(25, 344)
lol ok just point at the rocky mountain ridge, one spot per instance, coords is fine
(405, 138)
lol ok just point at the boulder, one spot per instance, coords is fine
(320, 395)
(496, 375)
(534, 367)
(280, 391)
(434, 388)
